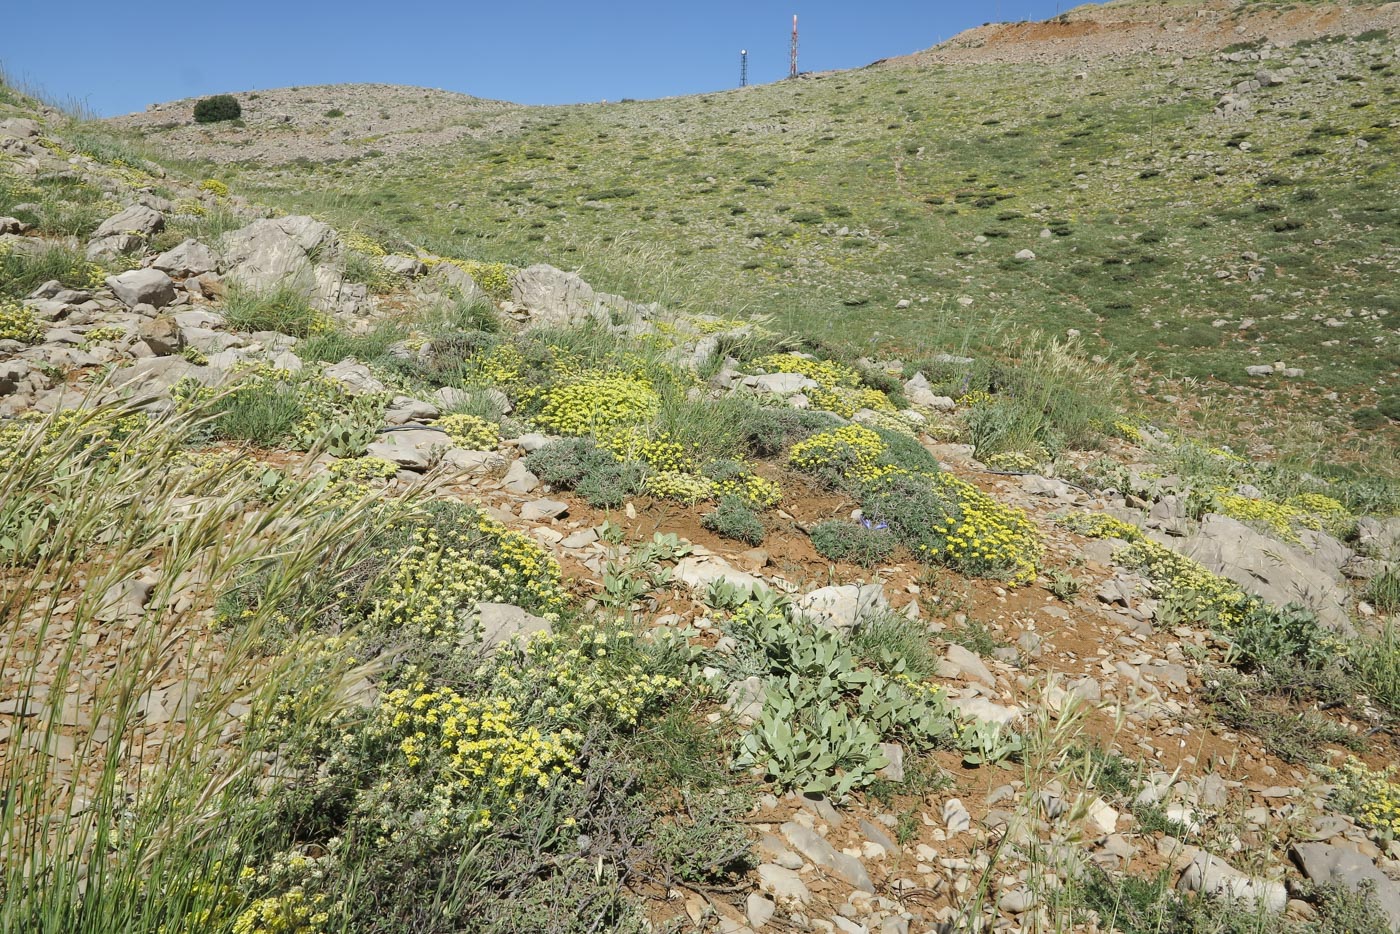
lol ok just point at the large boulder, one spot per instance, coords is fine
(295, 252)
(142, 287)
(1273, 571)
(555, 298)
(457, 279)
(188, 258)
(124, 232)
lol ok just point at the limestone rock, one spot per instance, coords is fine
(1323, 863)
(457, 280)
(407, 266)
(1210, 875)
(1272, 570)
(844, 606)
(779, 384)
(699, 571)
(784, 885)
(500, 622)
(142, 287)
(961, 662)
(355, 377)
(412, 448)
(188, 258)
(519, 479)
(296, 252)
(124, 232)
(816, 848)
(555, 298)
(541, 509)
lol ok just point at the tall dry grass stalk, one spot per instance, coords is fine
(132, 760)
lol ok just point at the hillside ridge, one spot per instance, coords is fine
(1152, 27)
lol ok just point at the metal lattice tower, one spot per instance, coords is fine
(743, 68)
(792, 64)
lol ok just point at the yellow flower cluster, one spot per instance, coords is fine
(470, 431)
(1368, 795)
(1278, 517)
(359, 470)
(189, 207)
(826, 373)
(658, 450)
(361, 243)
(477, 749)
(292, 912)
(215, 187)
(502, 364)
(595, 405)
(1013, 460)
(1127, 431)
(492, 278)
(838, 387)
(1100, 525)
(588, 670)
(889, 421)
(1304, 511)
(681, 486)
(99, 433)
(845, 401)
(103, 334)
(718, 325)
(976, 397)
(852, 451)
(1193, 589)
(758, 492)
(17, 322)
(439, 581)
(983, 537)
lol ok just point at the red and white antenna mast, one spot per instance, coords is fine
(792, 64)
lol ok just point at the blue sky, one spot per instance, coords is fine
(119, 57)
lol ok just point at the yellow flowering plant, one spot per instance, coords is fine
(597, 405)
(1372, 796)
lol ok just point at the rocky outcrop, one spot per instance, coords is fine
(296, 252)
(553, 298)
(1271, 570)
(125, 232)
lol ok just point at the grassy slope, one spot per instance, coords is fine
(1149, 191)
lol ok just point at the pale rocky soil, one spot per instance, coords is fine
(1152, 27)
(286, 124)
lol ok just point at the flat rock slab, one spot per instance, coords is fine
(1322, 863)
(413, 448)
(843, 607)
(541, 509)
(501, 622)
(700, 571)
(816, 848)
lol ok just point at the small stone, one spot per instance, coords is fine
(759, 910)
(956, 817)
(1016, 901)
(519, 479)
(542, 509)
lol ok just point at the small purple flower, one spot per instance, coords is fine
(873, 525)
